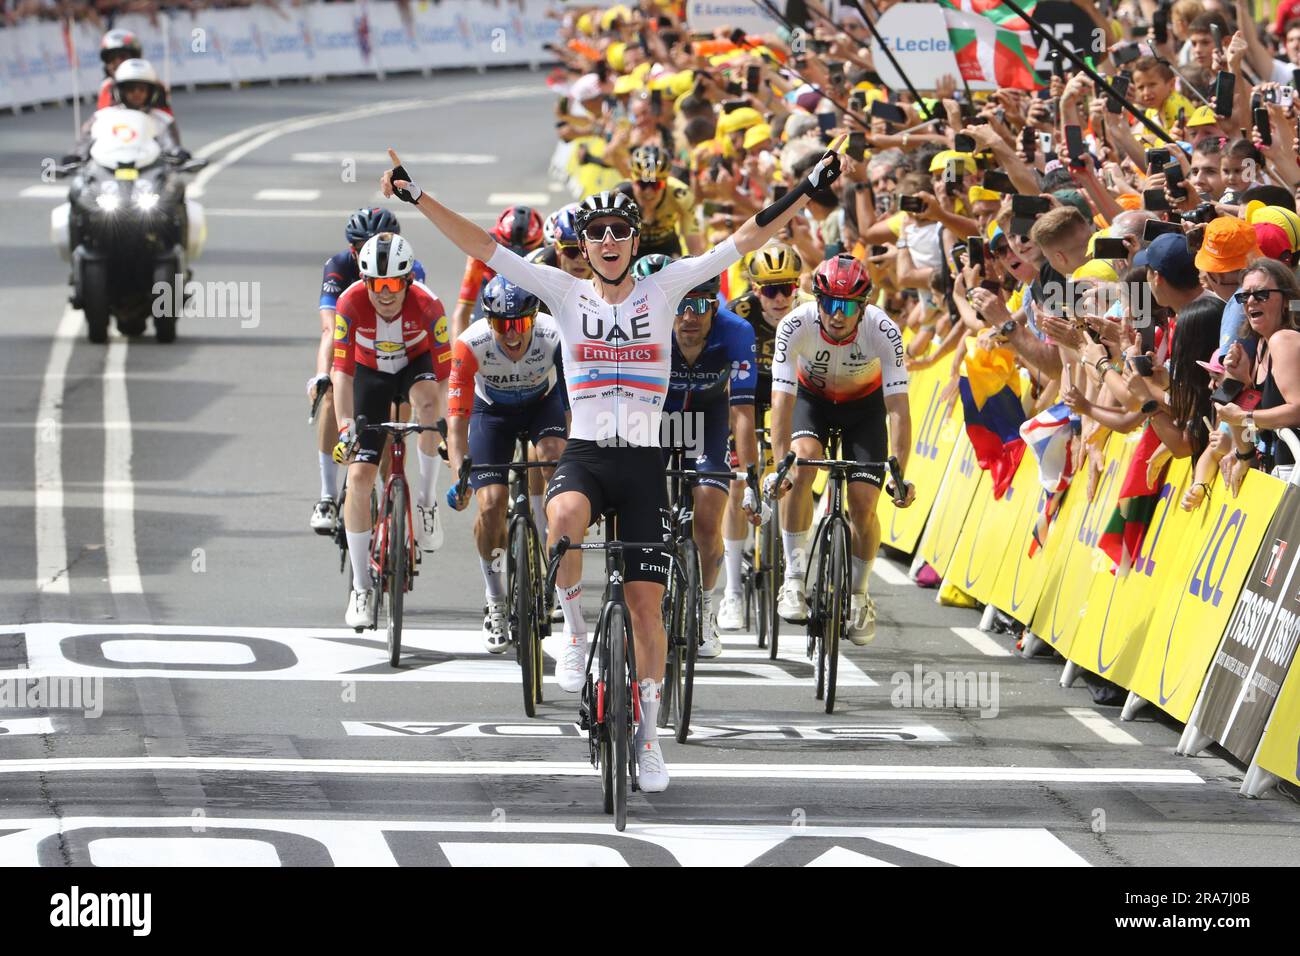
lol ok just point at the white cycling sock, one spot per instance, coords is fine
(861, 574)
(428, 491)
(494, 578)
(539, 517)
(708, 608)
(359, 554)
(733, 557)
(328, 476)
(571, 605)
(795, 544)
(651, 690)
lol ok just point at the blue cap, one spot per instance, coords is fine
(1171, 257)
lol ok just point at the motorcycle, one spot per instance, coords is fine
(127, 227)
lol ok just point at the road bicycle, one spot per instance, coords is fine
(763, 569)
(832, 594)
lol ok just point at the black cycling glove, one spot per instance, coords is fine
(412, 193)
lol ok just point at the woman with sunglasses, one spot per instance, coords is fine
(1267, 290)
(390, 338)
(505, 379)
(839, 363)
(617, 338)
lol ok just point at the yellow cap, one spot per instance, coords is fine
(1096, 269)
(587, 24)
(615, 55)
(626, 84)
(940, 161)
(618, 12)
(757, 134)
(980, 194)
(1279, 216)
(742, 118)
(1202, 116)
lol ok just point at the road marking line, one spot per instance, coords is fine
(119, 489)
(380, 157)
(559, 768)
(519, 199)
(45, 191)
(890, 574)
(286, 195)
(981, 641)
(51, 533)
(19, 726)
(1102, 727)
(338, 214)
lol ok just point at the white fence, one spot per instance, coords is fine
(260, 43)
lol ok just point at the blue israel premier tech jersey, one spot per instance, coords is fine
(341, 271)
(728, 355)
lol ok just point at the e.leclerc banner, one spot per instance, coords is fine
(1260, 641)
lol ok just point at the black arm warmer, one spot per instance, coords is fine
(768, 213)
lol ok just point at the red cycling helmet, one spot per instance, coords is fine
(841, 278)
(520, 228)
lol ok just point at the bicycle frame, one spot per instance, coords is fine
(382, 530)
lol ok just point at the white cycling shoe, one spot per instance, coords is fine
(571, 668)
(495, 638)
(358, 614)
(710, 643)
(324, 516)
(862, 620)
(651, 771)
(731, 613)
(791, 604)
(429, 528)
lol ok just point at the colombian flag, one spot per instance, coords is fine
(1127, 527)
(990, 399)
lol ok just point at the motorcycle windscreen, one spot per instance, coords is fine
(123, 137)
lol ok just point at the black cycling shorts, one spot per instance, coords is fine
(494, 428)
(864, 430)
(630, 482)
(373, 395)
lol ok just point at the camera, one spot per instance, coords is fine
(1202, 214)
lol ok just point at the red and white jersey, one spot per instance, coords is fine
(387, 346)
(806, 357)
(479, 366)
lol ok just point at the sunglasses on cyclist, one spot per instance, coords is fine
(654, 186)
(776, 289)
(569, 251)
(519, 326)
(850, 307)
(387, 284)
(699, 304)
(1255, 295)
(618, 231)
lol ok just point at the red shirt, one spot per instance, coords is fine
(476, 276)
(387, 346)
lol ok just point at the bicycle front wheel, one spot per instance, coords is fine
(395, 573)
(618, 722)
(773, 575)
(670, 700)
(523, 619)
(692, 629)
(837, 605)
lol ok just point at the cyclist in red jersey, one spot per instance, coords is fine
(518, 228)
(390, 337)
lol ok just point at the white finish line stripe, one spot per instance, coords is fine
(981, 641)
(51, 534)
(286, 195)
(1102, 727)
(119, 490)
(890, 574)
(546, 768)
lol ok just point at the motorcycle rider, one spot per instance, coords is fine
(115, 48)
(136, 87)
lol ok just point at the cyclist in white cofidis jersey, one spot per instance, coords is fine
(616, 334)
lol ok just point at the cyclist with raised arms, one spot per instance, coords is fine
(774, 273)
(505, 379)
(386, 342)
(340, 272)
(617, 339)
(838, 363)
(519, 229)
(710, 396)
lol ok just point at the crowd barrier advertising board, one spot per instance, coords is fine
(1020, 574)
(1199, 593)
(963, 483)
(1259, 643)
(935, 428)
(705, 16)
(986, 534)
(262, 43)
(1120, 607)
(1279, 752)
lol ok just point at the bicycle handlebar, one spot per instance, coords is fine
(315, 402)
(565, 545)
(516, 466)
(397, 429)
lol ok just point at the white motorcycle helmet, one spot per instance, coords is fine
(386, 256)
(138, 71)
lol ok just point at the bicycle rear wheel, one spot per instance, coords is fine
(837, 605)
(617, 713)
(692, 625)
(395, 572)
(773, 575)
(523, 618)
(817, 612)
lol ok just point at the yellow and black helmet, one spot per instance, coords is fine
(777, 262)
(649, 164)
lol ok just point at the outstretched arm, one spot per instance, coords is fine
(469, 238)
(759, 228)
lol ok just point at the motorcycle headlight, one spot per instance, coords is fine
(108, 201)
(146, 200)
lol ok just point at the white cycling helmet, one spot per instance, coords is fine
(138, 71)
(386, 255)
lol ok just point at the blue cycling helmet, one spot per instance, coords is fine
(560, 228)
(365, 223)
(504, 300)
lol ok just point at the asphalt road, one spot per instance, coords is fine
(163, 493)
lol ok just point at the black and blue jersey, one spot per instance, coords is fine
(728, 356)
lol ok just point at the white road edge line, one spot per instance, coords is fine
(51, 533)
(890, 574)
(1102, 727)
(119, 490)
(981, 641)
(555, 768)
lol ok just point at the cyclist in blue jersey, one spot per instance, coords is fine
(341, 271)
